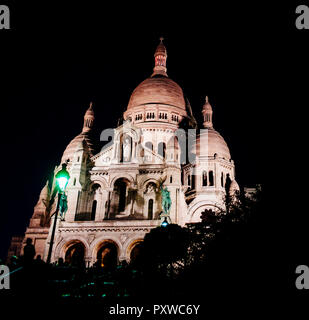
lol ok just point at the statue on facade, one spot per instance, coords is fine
(166, 199)
(151, 187)
(126, 149)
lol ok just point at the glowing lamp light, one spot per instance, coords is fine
(62, 178)
(164, 223)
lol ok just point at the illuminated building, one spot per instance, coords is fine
(114, 195)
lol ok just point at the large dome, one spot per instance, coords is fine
(209, 143)
(158, 90)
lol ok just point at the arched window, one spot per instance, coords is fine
(189, 180)
(211, 178)
(150, 209)
(149, 145)
(193, 181)
(119, 198)
(227, 182)
(122, 196)
(222, 179)
(171, 179)
(162, 149)
(74, 182)
(204, 177)
(93, 210)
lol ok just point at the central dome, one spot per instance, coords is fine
(158, 90)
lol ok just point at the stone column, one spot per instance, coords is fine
(133, 196)
(133, 155)
(102, 207)
(88, 261)
(72, 204)
(108, 203)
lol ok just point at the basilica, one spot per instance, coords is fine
(114, 196)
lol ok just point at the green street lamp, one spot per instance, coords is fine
(62, 179)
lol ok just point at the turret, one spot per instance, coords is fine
(160, 60)
(39, 213)
(207, 114)
(88, 119)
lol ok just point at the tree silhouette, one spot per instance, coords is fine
(165, 248)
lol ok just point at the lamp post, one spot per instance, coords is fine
(62, 179)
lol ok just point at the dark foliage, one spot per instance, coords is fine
(226, 256)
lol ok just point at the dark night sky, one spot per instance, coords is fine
(55, 60)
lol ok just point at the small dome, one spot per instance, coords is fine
(210, 143)
(158, 90)
(74, 145)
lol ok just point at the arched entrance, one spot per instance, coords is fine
(136, 254)
(120, 199)
(75, 254)
(107, 256)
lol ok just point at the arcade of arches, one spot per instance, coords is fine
(107, 253)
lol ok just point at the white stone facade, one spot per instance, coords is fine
(114, 196)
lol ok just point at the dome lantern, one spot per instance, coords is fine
(160, 60)
(207, 114)
(88, 119)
